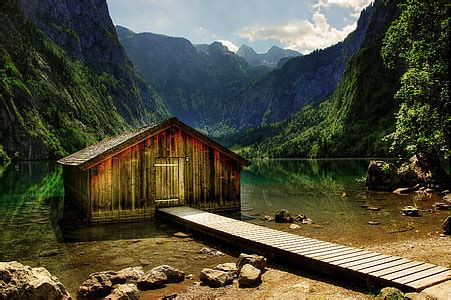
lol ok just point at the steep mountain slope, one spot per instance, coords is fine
(196, 84)
(270, 59)
(65, 80)
(300, 81)
(353, 120)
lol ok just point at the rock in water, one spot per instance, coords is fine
(410, 211)
(97, 285)
(446, 226)
(381, 176)
(283, 216)
(152, 280)
(227, 267)
(402, 191)
(389, 293)
(300, 218)
(173, 275)
(249, 276)
(127, 291)
(124, 275)
(215, 278)
(255, 260)
(18, 281)
(182, 235)
(294, 226)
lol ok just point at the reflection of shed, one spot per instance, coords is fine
(164, 164)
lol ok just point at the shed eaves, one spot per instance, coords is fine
(111, 145)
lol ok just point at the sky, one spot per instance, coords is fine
(302, 25)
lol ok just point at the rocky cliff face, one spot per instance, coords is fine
(65, 80)
(300, 81)
(197, 83)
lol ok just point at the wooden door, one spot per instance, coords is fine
(169, 181)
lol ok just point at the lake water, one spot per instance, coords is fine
(330, 192)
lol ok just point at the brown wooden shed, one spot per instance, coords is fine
(163, 164)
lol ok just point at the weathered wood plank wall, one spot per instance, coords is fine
(170, 164)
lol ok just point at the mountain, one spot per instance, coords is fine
(65, 80)
(270, 59)
(353, 120)
(300, 81)
(197, 83)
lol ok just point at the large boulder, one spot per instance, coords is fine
(255, 260)
(215, 278)
(227, 267)
(382, 176)
(18, 281)
(97, 285)
(173, 275)
(283, 216)
(446, 226)
(249, 276)
(127, 291)
(152, 280)
(419, 169)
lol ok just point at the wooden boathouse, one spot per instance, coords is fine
(160, 165)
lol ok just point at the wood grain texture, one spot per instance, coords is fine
(343, 261)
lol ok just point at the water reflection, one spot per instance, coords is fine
(332, 193)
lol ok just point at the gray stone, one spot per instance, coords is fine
(96, 286)
(182, 235)
(441, 291)
(47, 253)
(401, 191)
(410, 211)
(381, 176)
(308, 221)
(294, 226)
(152, 280)
(446, 226)
(283, 216)
(227, 267)
(173, 275)
(127, 291)
(268, 218)
(18, 281)
(249, 276)
(124, 275)
(390, 293)
(215, 278)
(204, 250)
(255, 260)
(414, 296)
(300, 217)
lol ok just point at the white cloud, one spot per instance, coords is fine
(355, 5)
(304, 36)
(231, 46)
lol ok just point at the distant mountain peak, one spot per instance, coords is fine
(270, 59)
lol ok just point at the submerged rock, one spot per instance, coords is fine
(127, 291)
(173, 275)
(283, 216)
(410, 211)
(182, 235)
(268, 218)
(446, 226)
(18, 281)
(249, 276)
(294, 226)
(152, 280)
(97, 285)
(47, 253)
(255, 260)
(215, 278)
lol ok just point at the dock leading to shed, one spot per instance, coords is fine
(164, 164)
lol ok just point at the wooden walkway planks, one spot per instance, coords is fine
(325, 256)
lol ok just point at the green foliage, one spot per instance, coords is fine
(418, 40)
(5, 160)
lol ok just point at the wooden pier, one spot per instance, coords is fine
(329, 258)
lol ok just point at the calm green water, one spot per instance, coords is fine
(328, 191)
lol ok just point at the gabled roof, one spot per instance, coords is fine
(95, 153)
